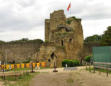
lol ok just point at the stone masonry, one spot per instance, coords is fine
(63, 39)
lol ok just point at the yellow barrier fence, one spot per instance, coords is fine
(22, 65)
(38, 65)
(2, 66)
(33, 65)
(7, 67)
(43, 64)
(18, 66)
(12, 66)
(28, 65)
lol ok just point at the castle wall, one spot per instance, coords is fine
(47, 29)
(76, 44)
(18, 52)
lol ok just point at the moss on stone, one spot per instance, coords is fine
(61, 47)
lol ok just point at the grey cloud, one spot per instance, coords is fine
(25, 15)
(10, 20)
(26, 3)
(90, 10)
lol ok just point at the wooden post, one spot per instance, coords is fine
(100, 71)
(89, 68)
(107, 71)
(86, 65)
(94, 69)
(32, 68)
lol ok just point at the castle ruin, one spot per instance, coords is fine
(63, 39)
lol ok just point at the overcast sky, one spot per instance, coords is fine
(25, 18)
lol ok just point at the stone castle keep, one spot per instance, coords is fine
(63, 39)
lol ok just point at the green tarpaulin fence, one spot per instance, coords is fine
(102, 54)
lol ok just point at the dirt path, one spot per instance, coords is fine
(93, 79)
(53, 79)
(78, 77)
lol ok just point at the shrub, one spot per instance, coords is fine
(76, 62)
(66, 61)
(87, 58)
(46, 41)
(70, 63)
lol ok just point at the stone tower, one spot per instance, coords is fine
(63, 38)
(56, 18)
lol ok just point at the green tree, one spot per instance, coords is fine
(87, 58)
(106, 37)
(94, 38)
(1, 42)
(23, 40)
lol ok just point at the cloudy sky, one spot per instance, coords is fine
(25, 18)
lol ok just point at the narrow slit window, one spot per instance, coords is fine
(70, 40)
(62, 42)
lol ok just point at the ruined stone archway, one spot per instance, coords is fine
(53, 59)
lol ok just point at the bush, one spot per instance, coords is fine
(70, 63)
(87, 58)
(76, 62)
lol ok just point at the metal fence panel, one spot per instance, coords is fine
(102, 54)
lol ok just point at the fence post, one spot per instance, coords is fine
(94, 69)
(89, 67)
(3, 72)
(107, 71)
(86, 65)
(99, 71)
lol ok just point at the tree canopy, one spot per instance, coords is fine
(24, 40)
(106, 37)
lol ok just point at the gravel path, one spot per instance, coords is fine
(53, 79)
(79, 77)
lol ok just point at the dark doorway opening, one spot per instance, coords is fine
(52, 55)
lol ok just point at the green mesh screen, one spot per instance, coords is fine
(102, 54)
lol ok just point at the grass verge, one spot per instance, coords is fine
(22, 80)
(99, 70)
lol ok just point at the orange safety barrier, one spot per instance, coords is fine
(28, 65)
(18, 66)
(12, 66)
(2, 66)
(38, 65)
(7, 67)
(33, 65)
(22, 65)
(43, 64)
